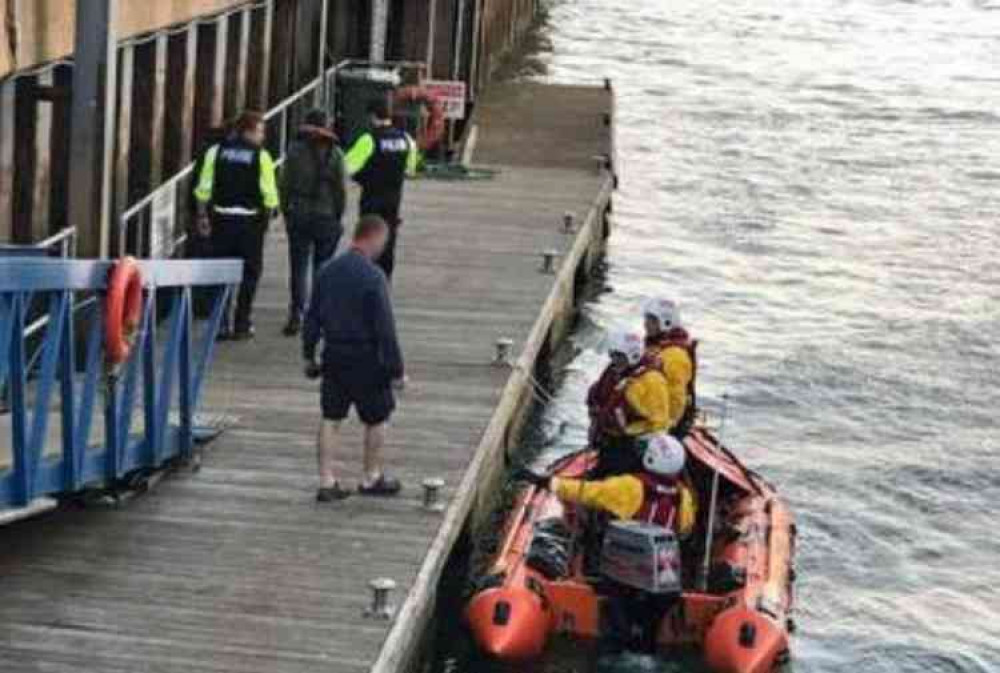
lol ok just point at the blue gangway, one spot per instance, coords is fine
(111, 420)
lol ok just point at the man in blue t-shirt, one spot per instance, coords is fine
(351, 313)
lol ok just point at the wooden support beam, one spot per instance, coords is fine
(42, 186)
(305, 43)
(447, 24)
(60, 163)
(8, 139)
(339, 30)
(321, 49)
(123, 138)
(158, 117)
(25, 159)
(237, 56)
(432, 10)
(210, 74)
(259, 65)
(282, 44)
(149, 80)
(94, 78)
(182, 54)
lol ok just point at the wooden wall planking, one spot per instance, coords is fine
(42, 185)
(178, 135)
(24, 159)
(59, 166)
(282, 41)
(123, 139)
(149, 80)
(7, 143)
(443, 44)
(209, 74)
(237, 56)
(259, 64)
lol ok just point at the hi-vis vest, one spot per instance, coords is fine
(383, 175)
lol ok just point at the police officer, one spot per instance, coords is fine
(379, 160)
(237, 192)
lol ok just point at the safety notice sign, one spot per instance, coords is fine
(451, 94)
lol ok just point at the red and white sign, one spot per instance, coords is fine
(450, 94)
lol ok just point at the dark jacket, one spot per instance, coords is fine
(352, 313)
(312, 179)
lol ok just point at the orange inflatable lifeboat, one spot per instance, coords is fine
(739, 614)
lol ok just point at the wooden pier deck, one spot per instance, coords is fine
(235, 569)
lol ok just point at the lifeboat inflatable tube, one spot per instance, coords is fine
(537, 587)
(123, 309)
(432, 132)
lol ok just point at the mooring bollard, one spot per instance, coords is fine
(569, 222)
(549, 261)
(380, 607)
(432, 495)
(504, 348)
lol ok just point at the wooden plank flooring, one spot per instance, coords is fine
(234, 569)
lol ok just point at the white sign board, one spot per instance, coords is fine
(451, 94)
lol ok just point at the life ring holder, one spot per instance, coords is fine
(122, 310)
(433, 131)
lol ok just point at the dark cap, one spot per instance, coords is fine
(318, 117)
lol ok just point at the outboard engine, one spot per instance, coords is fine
(642, 556)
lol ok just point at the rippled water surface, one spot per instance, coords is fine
(818, 182)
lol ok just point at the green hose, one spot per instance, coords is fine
(446, 171)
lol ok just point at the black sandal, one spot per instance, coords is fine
(383, 486)
(333, 493)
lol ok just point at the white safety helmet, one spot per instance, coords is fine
(663, 455)
(627, 343)
(665, 311)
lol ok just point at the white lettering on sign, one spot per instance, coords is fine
(451, 95)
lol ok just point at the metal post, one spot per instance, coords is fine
(504, 347)
(569, 222)
(381, 608)
(380, 23)
(431, 30)
(549, 261)
(456, 62)
(713, 503)
(432, 495)
(94, 78)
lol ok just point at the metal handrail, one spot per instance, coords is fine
(65, 239)
(128, 218)
(149, 198)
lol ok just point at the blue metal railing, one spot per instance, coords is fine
(161, 382)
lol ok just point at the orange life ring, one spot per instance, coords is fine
(433, 131)
(123, 309)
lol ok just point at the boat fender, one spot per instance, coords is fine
(122, 310)
(748, 635)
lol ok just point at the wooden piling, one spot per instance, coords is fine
(178, 138)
